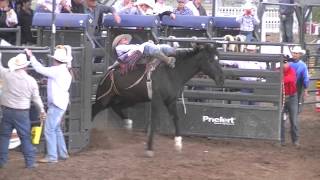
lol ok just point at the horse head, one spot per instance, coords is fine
(210, 63)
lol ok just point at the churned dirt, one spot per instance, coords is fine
(118, 155)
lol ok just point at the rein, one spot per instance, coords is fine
(112, 85)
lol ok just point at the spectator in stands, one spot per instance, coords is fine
(247, 22)
(127, 52)
(302, 74)
(59, 81)
(196, 7)
(96, 10)
(122, 5)
(77, 6)
(145, 7)
(286, 20)
(8, 19)
(161, 7)
(19, 89)
(182, 9)
(252, 49)
(141, 7)
(25, 16)
(46, 6)
(290, 103)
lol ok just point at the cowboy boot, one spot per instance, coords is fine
(170, 61)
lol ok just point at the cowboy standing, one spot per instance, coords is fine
(290, 104)
(126, 51)
(19, 90)
(302, 74)
(59, 81)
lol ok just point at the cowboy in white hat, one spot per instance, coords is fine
(301, 72)
(125, 50)
(59, 81)
(18, 89)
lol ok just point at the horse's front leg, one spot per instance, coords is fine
(156, 107)
(172, 109)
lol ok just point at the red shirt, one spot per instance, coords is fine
(290, 87)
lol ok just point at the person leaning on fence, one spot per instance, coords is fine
(286, 20)
(247, 22)
(290, 105)
(127, 52)
(96, 10)
(19, 89)
(59, 81)
(302, 74)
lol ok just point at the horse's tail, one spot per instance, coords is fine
(228, 47)
(240, 47)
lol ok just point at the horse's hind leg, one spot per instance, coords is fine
(172, 109)
(118, 109)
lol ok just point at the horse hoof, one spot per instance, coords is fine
(178, 143)
(150, 154)
(128, 124)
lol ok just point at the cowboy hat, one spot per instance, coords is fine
(149, 3)
(61, 54)
(18, 62)
(298, 49)
(118, 39)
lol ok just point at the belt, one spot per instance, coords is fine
(5, 107)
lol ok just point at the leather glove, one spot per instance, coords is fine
(43, 116)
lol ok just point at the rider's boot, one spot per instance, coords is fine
(170, 61)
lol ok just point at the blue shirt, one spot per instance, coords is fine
(184, 11)
(301, 72)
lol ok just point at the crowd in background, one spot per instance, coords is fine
(15, 13)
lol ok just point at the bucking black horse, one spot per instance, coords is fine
(165, 84)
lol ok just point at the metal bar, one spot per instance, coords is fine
(233, 84)
(252, 57)
(235, 96)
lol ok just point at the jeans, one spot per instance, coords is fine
(56, 146)
(150, 49)
(247, 91)
(300, 91)
(18, 119)
(286, 25)
(291, 106)
(248, 34)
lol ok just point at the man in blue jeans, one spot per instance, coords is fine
(302, 74)
(19, 88)
(59, 81)
(286, 20)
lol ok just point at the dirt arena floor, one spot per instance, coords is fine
(119, 155)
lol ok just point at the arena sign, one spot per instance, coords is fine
(219, 120)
